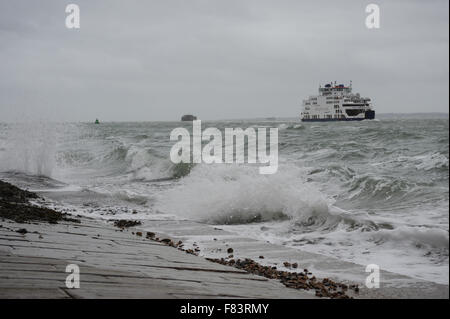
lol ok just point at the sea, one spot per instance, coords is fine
(374, 191)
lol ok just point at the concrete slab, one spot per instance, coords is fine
(116, 264)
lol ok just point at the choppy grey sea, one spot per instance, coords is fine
(367, 192)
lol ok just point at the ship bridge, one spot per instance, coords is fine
(329, 89)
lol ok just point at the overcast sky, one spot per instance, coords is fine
(217, 59)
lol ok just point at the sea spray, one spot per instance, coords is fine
(30, 148)
(236, 194)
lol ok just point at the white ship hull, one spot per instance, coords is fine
(336, 103)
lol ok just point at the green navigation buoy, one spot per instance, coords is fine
(97, 121)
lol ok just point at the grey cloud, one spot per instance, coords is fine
(156, 60)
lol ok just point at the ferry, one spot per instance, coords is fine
(336, 102)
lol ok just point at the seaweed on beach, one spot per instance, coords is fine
(123, 223)
(12, 194)
(15, 205)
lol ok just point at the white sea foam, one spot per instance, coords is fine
(431, 161)
(391, 181)
(419, 236)
(285, 126)
(238, 194)
(426, 162)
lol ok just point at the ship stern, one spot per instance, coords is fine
(369, 115)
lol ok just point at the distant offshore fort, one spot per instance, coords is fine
(188, 117)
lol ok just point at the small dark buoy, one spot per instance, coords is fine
(97, 121)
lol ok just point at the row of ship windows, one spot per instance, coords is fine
(316, 117)
(337, 98)
(336, 111)
(331, 102)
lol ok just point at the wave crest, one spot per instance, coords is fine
(235, 194)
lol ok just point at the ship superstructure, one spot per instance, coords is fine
(336, 102)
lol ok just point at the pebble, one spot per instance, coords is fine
(323, 288)
(123, 223)
(22, 231)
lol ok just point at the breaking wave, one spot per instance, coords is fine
(231, 194)
(286, 126)
(418, 236)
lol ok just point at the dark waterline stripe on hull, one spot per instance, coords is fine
(368, 115)
(334, 120)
